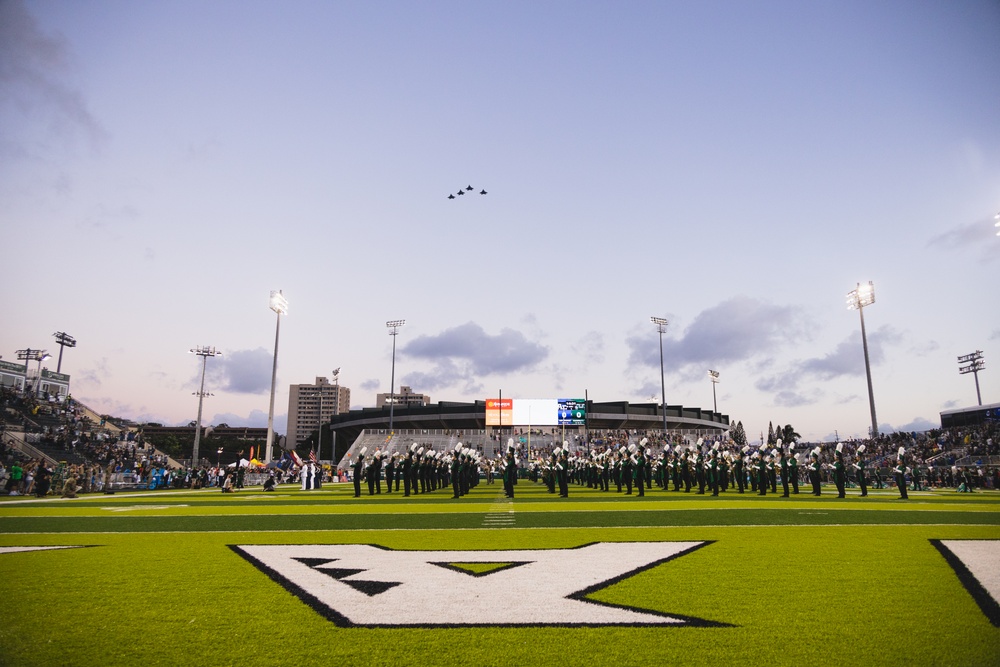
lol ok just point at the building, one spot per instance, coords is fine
(221, 432)
(974, 416)
(310, 405)
(444, 424)
(403, 398)
(42, 381)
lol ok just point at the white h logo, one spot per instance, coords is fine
(364, 585)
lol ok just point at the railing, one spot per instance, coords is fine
(21, 444)
(958, 453)
(978, 460)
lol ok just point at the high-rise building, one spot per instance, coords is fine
(310, 405)
(404, 397)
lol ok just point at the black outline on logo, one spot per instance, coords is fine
(506, 566)
(989, 606)
(340, 620)
(39, 548)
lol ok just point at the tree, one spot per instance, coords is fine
(740, 435)
(770, 433)
(788, 434)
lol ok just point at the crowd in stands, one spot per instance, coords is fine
(114, 458)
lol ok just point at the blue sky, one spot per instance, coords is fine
(734, 167)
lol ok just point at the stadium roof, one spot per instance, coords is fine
(467, 416)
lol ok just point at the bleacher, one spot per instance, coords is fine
(443, 441)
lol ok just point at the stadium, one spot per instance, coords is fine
(313, 573)
(443, 425)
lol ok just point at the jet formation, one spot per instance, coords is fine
(462, 191)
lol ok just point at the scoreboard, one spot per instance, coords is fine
(536, 412)
(572, 412)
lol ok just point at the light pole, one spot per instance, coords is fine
(218, 459)
(319, 420)
(973, 364)
(661, 326)
(29, 354)
(393, 326)
(203, 351)
(857, 299)
(279, 305)
(64, 340)
(714, 376)
(336, 411)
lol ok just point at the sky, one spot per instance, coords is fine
(734, 167)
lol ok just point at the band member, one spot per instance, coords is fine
(814, 471)
(639, 467)
(762, 481)
(627, 469)
(390, 472)
(359, 471)
(899, 472)
(375, 474)
(456, 471)
(738, 469)
(839, 472)
(793, 469)
(509, 470)
(562, 472)
(784, 473)
(407, 470)
(860, 467)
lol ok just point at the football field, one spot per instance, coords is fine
(320, 577)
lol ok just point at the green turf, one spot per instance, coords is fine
(806, 581)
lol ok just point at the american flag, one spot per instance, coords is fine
(312, 455)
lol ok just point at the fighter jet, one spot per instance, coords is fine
(469, 188)
(482, 192)
(451, 196)
(460, 192)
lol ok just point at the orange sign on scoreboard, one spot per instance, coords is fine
(499, 412)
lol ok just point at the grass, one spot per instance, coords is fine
(816, 581)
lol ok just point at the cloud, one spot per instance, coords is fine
(371, 384)
(30, 63)
(590, 348)
(795, 399)
(848, 357)
(650, 391)
(92, 377)
(256, 419)
(240, 372)
(994, 335)
(919, 424)
(736, 330)
(979, 235)
(466, 353)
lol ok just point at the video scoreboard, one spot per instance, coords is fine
(536, 412)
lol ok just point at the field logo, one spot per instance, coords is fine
(370, 586)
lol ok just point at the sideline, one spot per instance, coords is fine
(494, 529)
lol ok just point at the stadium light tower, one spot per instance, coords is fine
(661, 326)
(973, 364)
(64, 340)
(393, 326)
(857, 299)
(203, 351)
(279, 305)
(29, 354)
(714, 376)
